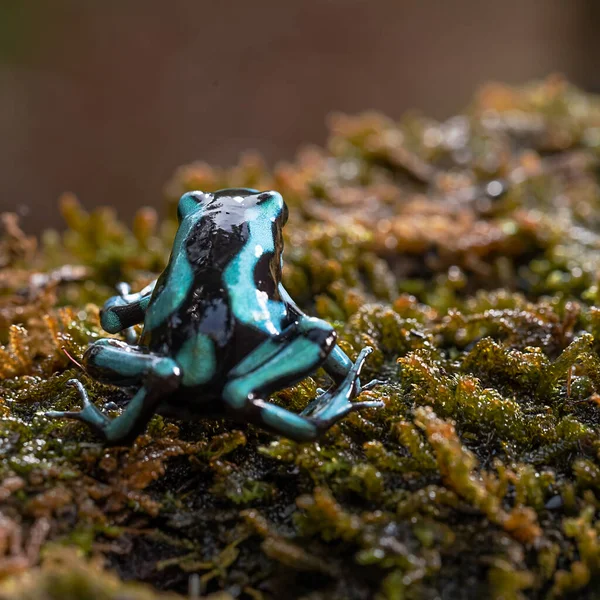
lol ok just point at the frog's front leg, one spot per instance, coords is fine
(283, 361)
(124, 311)
(117, 362)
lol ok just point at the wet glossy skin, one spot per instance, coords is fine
(220, 331)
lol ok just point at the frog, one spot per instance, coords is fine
(220, 333)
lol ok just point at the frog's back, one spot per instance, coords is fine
(189, 294)
(192, 313)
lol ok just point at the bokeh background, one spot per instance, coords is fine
(105, 99)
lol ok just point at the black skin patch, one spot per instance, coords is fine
(130, 313)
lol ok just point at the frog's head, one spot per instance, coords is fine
(268, 204)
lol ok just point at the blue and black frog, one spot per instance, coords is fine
(220, 332)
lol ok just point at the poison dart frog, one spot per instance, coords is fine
(220, 332)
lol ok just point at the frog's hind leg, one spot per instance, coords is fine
(124, 364)
(270, 368)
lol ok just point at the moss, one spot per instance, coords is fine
(63, 575)
(466, 253)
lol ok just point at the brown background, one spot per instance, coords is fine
(105, 99)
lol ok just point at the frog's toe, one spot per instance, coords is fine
(368, 404)
(373, 383)
(321, 401)
(360, 360)
(75, 383)
(322, 398)
(62, 414)
(88, 414)
(123, 288)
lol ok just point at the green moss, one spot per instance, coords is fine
(466, 254)
(65, 576)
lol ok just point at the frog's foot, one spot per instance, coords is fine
(331, 406)
(89, 414)
(158, 376)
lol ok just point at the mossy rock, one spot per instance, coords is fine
(467, 253)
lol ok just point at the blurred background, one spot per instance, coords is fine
(106, 99)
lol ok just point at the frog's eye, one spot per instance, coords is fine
(189, 203)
